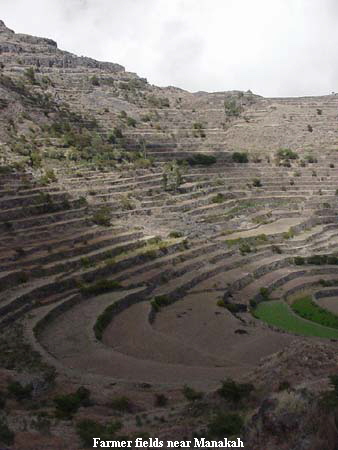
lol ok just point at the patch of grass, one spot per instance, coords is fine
(278, 314)
(308, 309)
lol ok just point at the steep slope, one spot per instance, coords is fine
(149, 239)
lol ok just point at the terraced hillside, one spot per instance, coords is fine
(152, 238)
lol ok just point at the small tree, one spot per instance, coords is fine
(172, 176)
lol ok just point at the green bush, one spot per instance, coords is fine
(95, 81)
(100, 287)
(245, 248)
(219, 198)
(225, 424)
(161, 400)
(240, 157)
(88, 429)
(264, 293)
(6, 435)
(191, 394)
(19, 391)
(235, 392)
(102, 217)
(232, 108)
(299, 260)
(131, 122)
(175, 234)
(256, 182)
(122, 404)
(286, 154)
(67, 405)
(159, 301)
(201, 159)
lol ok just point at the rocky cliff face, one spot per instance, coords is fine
(22, 49)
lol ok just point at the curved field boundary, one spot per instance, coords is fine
(278, 314)
(308, 309)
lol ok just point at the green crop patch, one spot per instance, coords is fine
(308, 309)
(278, 314)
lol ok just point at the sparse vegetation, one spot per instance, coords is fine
(191, 394)
(102, 217)
(240, 157)
(100, 287)
(201, 159)
(68, 404)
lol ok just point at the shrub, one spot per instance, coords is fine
(235, 307)
(256, 182)
(175, 234)
(299, 260)
(6, 435)
(67, 405)
(131, 122)
(311, 159)
(122, 404)
(219, 198)
(201, 159)
(284, 154)
(276, 249)
(232, 108)
(225, 424)
(264, 293)
(19, 391)
(30, 74)
(171, 176)
(88, 429)
(199, 129)
(2, 400)
(102, 217)
(319, 111)
(234, 392)
(284, 386)
(35, 160)
(159, 301)
(161, 400)
(191, 394)
(95, 81)
(100, 287)
(240, 157)
(85, 262)
(245, 248)
(309, 128)
(289, 234)
(331, 166)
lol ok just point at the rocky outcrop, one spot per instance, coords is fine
(24, 49)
